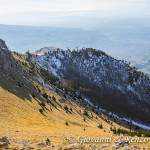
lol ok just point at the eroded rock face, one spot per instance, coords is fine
(6, 58)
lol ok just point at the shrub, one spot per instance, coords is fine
(64, 95)
(52, 103)
(42, 104)
(33, 95)
(41, 111)
(147, 134)
(122, 131)
(100, 126)
(45, 95)
(54, 98)
(85, 113)
(114, 130)
(66, 107)
(93, 109)
(56, 90)
(132, 134)
(137, 128)
(19, 84)
(119, 123)
(48, 140)
(66, 91)
(139, 133)
(111, 128)
(39, 90)
(79, 96)
(97, 112)
(66, 123)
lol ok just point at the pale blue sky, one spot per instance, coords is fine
(70, 13)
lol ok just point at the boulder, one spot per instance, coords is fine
(120, 144)
(4, 142)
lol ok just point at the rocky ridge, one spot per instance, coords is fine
(109, 83)
(6, 59)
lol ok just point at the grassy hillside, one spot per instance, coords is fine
(21, 119)
(28, 117)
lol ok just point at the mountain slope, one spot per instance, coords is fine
(45, 50)
(109, 83)
(22, 96)
(36, 105)
(32, 110)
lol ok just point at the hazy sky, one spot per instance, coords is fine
(70, 13)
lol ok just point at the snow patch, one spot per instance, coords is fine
(87, 100)
(133, 122)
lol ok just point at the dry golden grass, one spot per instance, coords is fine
(20, 118)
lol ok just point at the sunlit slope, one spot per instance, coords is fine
(35, 105)
(20, 118)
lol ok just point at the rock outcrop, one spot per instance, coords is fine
(120, 144)
(6, 59)
(4, 142)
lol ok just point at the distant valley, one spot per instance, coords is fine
(123, 42)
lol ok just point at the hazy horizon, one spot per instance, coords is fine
(71, 14)
(120, 28)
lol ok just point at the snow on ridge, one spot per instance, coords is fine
(42, 82)
(133, 122)
(130, 88)
(87, 100)
(57, 62)
(47, 62)
(113, 73)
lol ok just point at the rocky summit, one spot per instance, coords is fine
(6, 59)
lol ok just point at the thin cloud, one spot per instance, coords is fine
(50, 11)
